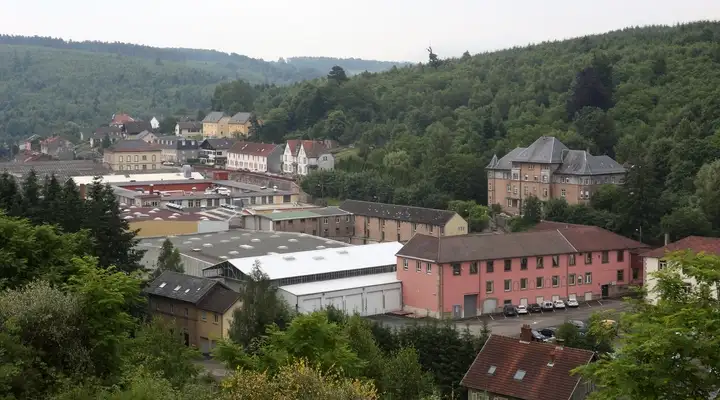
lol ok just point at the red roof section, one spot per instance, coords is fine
(696, 244)
(552, 225)
(593, 238)
(121, 119)
(253, 149)
(540, 382)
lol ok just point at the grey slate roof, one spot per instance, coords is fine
(329, 211)
(546, 150)
(177, 143)
(240, 118)
(218, 144)
(206, 294)
(214, 117)
(133, 145)
(417, 215)
(506, 161)
(190, 125)
(143, 134)
(580, 162)
(135, 127)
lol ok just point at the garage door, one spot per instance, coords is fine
(310, 305)
(523, 302)
(539, 299)
(353, 304)
(470, 305)
(374, 303)
(393, 300)
(336, 302)
(572, 296)
(556, 298)
(204, 345)
(588, 296)
(489, 306)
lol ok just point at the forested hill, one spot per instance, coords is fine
(49, 84)
(352, 66)
(423, 134)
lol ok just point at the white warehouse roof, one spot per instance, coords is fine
(334, 285)
(289, 265)
(120, 178)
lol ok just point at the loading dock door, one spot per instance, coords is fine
(393, 300)
(572, 296)
(336, 302)
(353, 304)
(588, 296)
(470, 305)
(310, 305)
(556, 298)
(374, 303)
(523, 302)
(539, 300)
(489, 306)
(204, 345)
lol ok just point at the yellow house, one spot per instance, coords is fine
(239, 124)
(202, 308)
(215, 125)
(133, 155)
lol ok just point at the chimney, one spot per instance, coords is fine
(526, 333)
(667, 239)
(151, 188)
(552, 359)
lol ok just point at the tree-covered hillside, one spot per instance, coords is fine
(352, 66)
(423, 134)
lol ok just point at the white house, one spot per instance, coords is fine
(301, 156)
(154, 123)
(256, 157)
(654, 259)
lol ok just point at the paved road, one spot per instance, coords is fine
(511, 326)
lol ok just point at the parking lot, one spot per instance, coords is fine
(510, 326)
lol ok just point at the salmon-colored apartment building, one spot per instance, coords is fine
(464, 276)
(380, 222)
(547, 169)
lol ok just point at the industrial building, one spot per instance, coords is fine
(354, 279)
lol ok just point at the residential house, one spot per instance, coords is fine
(655, 259)
(202, 308)
(466, 275)
(302, 156)
(177, 149)
(239, 124)
(28, 144)
(256, 157)
(215, 125)
(379, 222)
(510, 369)
(329, 222)
(114, 133)
(120, 119)
(188, 128)
(547, 169)
(214, 151)
(133, 155)
(131, 130)
(57, 147)
(154, 123)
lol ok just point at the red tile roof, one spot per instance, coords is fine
(695, 244)
(253, 149)
(552, 225)
(540, 382)
(121, 119)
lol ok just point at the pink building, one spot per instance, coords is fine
(467, 275)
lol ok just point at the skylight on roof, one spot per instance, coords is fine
(187, 290)
(491, 370)
(519, 375)
(176, 288)
(163, 284)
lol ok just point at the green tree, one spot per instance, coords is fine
(404, 378)
(71, 210)
(10, 197)
(532, 211)
(337, 75)
(31, 197)
(684, 222)
(169, 259)
(50, 203)
(707, 184)
(167, 125)
(476, 215)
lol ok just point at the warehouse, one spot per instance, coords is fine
(353, 279)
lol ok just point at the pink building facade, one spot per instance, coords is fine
(469, 275)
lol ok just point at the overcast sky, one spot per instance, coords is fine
(371, 29)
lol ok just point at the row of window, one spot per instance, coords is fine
(539, 262)
(186, 313)
(137, 167)
(137, 158)
(540, 281)
(428, 227)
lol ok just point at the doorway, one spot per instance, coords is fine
(470, 305)
(605, 291)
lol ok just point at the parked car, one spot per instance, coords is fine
(534, 307)
(547, 306)
(539, 337)
(548, 332)
(522, 310)
(572, 303)
(579, 324)
(509, 310)
(559, 304)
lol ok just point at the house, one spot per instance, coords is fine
(379, 222)
(188, 128)
(239, 124)
(120, 119)
(215, 125)
(302, 156)
(654, 259)
(256, 157)
(177, 149)
(57, 147)
(28, 144)
(466, 275)
(215, 151)
(547, 169)
(154, 123)
(509, 368)
(114, 133)
(329, 222)
(132, 129)
(133, 155)
(202, 308)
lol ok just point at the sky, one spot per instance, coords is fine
(397, 30)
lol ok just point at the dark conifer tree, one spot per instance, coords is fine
(51, 198)
(71, 214)
(31, 198)
(10, 197)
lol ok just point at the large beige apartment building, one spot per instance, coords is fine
(379, 222)
(220, 125)
(133, 155)
(547, 169)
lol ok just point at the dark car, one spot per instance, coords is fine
(547, 332)
(509, 310)
(538, 337)
(534, 307)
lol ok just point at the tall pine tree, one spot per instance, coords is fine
(71, 209)
(168, 260)
(31, 198)
(51, 198)
(10, 197)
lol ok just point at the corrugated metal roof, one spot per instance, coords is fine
(177, 176)
(334, 285)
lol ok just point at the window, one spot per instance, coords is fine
(555, 281)
(489, 287)
(153, 157)
(457, 269)
(418, 266)
(473, 268)
(509, 202)
(662, 265)
(508, 285)
(515, 189)
(398, 224)
(508, 265)
(579, 279)
(620, 275)
(144, 158)
(571, 259)
(523, 283)
(337, 220)
(571, 280)
(414, 227)
(545, 192)
(588, 258)
(405, 264)
(136, 158)
(187, 312)
(621, 255)
(204, 316)
(526, 177)
(545, 179)
(523, 263)
(635, 273)
(508, 188)
(562, 193)
(325, 221)
(428, 268)
(588, 277)
(490, 266)
(216, 318)
(172, 309)
(539, 262)
(605, 257)
(539, 282)
(556, 261)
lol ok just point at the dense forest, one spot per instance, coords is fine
(352, 66)
(52, 85)
(423, 134)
